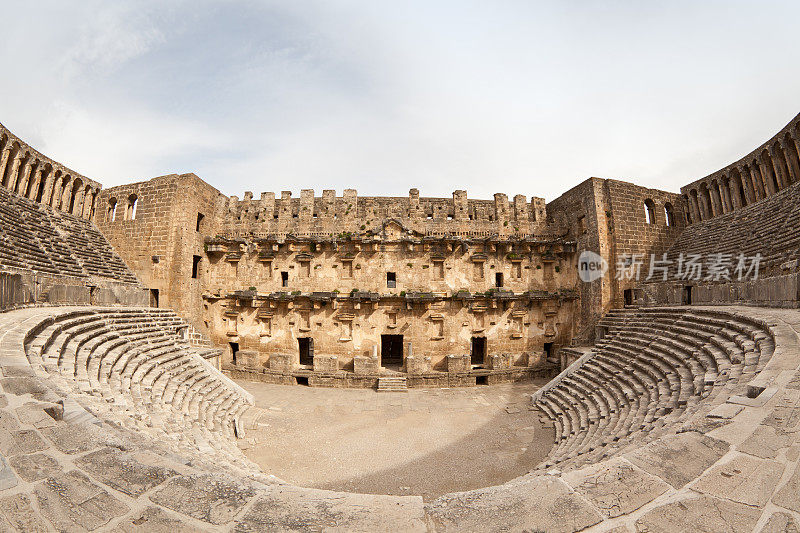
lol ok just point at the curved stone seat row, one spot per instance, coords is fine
(650, 373)
(135, 362)
(767, 227)
(731, 466)
(36, 237)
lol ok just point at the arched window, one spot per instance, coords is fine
(130, 211)
(650, 211)
(111, 214)
(669, 214)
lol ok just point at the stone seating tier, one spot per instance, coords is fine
(110, 421)
(34, 237)
(768, 227)
(657, 364)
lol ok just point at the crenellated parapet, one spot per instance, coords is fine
(29, 173)
(329, 214)
(770, 168)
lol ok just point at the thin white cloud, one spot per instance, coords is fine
(515, 97)
(124, 144)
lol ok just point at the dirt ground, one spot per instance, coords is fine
(425, 442)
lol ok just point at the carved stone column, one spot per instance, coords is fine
(55, 199)
(37, 179)
(4, 157)
(66, 194)
(779, 164)
(49, 181)
(22, 184)
(13, 172)
(88, 204)
(77, 203)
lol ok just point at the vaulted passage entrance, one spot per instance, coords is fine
(306, 345)
(391, 350)
(478, 356)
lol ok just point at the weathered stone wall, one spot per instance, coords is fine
(609, 218)
(47, 256)
(771, 167)
(344, 330)
(161, 239)
(345, 248)
(438, 293)
(329, 214)
(21, 288)
(631, 233)
(773, 291)
(581, 209)
(28, 173)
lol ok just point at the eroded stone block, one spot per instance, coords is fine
(679, 459)
(17, 514)
(72, 502)
(459, 363)
(155, 520)
(615, 487)
(366, 365)
(35, 466)
(326, 363)
(704, 514)
(207, 497)
(281, 362)
(122, 471)
(23, 441)
(288, 508)
(535, 503)
(744, 479)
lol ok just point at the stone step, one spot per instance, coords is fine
(393, 384)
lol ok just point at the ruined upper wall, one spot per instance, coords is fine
(771, 167)
(29, 173)
(616, 219)
(312, 216)
(158, 226)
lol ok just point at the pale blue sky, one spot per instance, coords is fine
(516, 97)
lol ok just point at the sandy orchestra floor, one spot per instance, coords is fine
(426, 441)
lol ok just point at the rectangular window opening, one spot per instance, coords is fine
(391, 350)
(234, 350)
(478, 355)
(195, 266)
(687, 295)
(548, 350)
(200, 217)
(306, 347)
(391, 280)
(284, 279)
